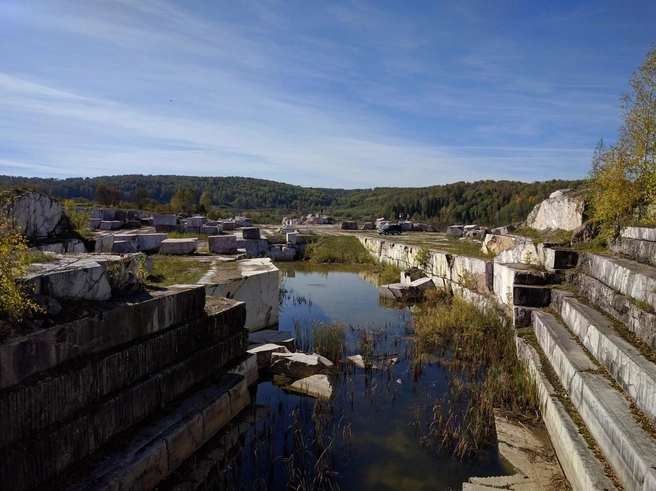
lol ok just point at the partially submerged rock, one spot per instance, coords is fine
(298, 365)
(318, 386)
(264, 351)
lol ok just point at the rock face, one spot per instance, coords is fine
(563, 210)
(38, 216)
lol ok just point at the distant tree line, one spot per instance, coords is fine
(482, 202)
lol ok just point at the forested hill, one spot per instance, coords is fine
(483, 202)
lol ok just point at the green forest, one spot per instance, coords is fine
(483, 202)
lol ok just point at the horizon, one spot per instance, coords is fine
(340, 95)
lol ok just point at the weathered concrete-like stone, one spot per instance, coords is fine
(101, 243)
(106, 225)
(178, 246)
(222, 244)
(211, 229)
(318, 386)
(282, 253)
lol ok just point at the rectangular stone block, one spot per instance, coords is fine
(62, 394)
(124, 247)
(105, 225)
(228, 226)
(94, 223)
(210, 230)
(108, 215)
(250, 233)
(123, 322)
(150, 242)
(116, 224)
(178, 246)
(170, 220)
(69, 443)
(222, 244)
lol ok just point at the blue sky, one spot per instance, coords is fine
(346, 94)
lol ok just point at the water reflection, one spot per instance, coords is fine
(367, 437)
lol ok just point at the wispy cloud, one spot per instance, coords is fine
(344, 94)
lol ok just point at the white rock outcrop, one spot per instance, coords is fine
(563, 210)
(38, 216)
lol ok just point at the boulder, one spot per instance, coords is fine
(585, 233)
(38, 216)
(318, 386)
(298, 365)
(349, 225)
(563, 210)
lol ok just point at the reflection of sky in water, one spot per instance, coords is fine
(378, 405)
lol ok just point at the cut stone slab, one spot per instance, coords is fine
(105, 225)
(297, 365)
(423, 284)
(318, 386)
(629, 450)
(116, 224)
(398, 291)
(210, 229)
(150, 242)
(266, 336)
(583, 470)
(263, 353)
(531, 296)
(222, 244)
(639, 233)
(178, 246)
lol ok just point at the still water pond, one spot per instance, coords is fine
(368, 436)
